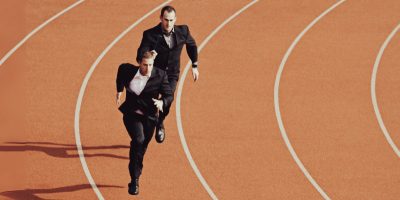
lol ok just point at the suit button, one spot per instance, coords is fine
(166, 68)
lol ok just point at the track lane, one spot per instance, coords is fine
(82, 92)
(179, 95)
(166, 167)
(277, 105)
(241, 139)
(384, 86)
(325, 92)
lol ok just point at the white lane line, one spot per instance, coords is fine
(373, 91)
(37, 29)
(82, 92)
(276, 100)
(178, 103)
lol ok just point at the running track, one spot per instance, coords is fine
(320, 75)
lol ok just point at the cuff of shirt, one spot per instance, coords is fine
(194, 65)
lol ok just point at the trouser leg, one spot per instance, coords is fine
(163, 115)
(140, 130)
(134, 127)
(148, 130)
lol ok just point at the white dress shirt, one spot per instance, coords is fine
(137, 85)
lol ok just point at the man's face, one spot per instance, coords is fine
(146, 66)
(168, 21)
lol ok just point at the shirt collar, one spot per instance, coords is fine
(170, 33)
(138, 74)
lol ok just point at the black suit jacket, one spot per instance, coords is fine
(157, 84)
(168, 59)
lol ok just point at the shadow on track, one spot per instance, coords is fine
(60, 150)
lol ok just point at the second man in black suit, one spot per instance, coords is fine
(166, 41)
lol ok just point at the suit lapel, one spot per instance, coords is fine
(150, 82)
(162, 41)
(131, 74)
(179, 36)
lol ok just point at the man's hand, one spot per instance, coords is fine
(195, 73)
(118, 100)
(159, 104)
(154, 53)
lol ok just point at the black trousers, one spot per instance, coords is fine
(163, 115)
(140, 130)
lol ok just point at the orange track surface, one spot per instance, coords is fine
(18, 18)
(389, 89)
(228, 116)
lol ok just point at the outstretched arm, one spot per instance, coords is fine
(191, 49)
(120, 83)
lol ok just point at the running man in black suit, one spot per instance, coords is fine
(166, 41)
(144, 85)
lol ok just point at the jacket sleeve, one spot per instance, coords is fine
(120, 78)
(166, 92)
(191, 47)
(145, 45)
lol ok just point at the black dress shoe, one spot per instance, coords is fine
(133, 188)
(160, 134)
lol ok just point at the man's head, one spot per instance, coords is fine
(168, 18)
(146, 64)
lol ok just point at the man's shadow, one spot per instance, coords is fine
(31, 194)
(60, 150)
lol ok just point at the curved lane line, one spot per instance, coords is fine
(178, 103)
(36, 30)
(82, 92)
(373, 91)
(276, 100)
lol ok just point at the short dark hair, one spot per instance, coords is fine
(168, 9)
